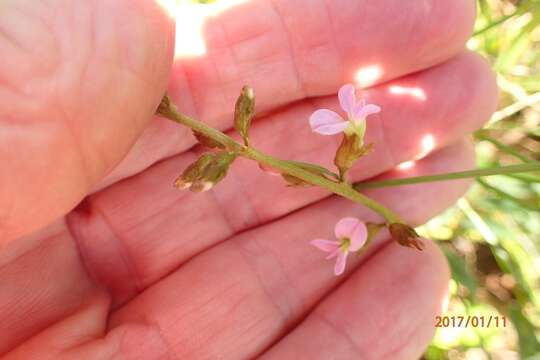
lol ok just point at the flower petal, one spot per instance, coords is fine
(347, 98)
(366, 110)
(325, 245)
(341, 262)
(358, 237)
(327, 122)
(332, 129)
(334, 253)
(345, 227)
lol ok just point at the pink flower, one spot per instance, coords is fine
(327, 122)
(351, 234)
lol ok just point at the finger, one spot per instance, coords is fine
(43, 281)
(385, 310)
(244, 294)
(290, 50)
(56, 278)
(78, 82)
(460, 95)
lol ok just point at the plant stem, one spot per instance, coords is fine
(501, 170)
(169, 111)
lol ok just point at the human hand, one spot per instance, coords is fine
(140, 270)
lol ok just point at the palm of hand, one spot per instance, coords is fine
(141, 271)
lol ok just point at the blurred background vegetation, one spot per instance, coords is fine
(492, 236)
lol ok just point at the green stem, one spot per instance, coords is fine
(501, 170)
(169, 111)
(507, 196)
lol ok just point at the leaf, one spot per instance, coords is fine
(460, 272)
(528, 343)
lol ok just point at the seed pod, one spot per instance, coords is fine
(405, 236)
(243, 113)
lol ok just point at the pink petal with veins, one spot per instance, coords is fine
(341, 262)
(327, 122)
(347, 98)
(345, 227)
(358, 237)
(325, 245)
(366, 110)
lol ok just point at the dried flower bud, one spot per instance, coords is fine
(193, 172)
(206, 141)
(207, 171)
(350, 150)
(243, 112)
(165, 106)
(405, 235)
(217, 169)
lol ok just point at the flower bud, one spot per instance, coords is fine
(217, 169)
(405, 236)
(243, 113)
(207, 171)
(193, 172)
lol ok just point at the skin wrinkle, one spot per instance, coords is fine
(404, 344)
(230, 50)
(301, 92)
(336, 48)
(224, 208)
(284, 314)
(90, 209)
(342, 334)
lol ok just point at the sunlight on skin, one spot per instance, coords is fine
(406, 165)
(368, 75)
(414, 92)
(189, 31)
(427, 144)
(190, 21)
(170, 6)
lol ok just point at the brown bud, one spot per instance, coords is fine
(243, 113)
(193, 172)
(165, 105)
(350, 150)
(206, 141)
(405, 236)
(217, 169)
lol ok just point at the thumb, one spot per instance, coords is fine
(78, 82)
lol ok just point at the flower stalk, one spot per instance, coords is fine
(168, 110)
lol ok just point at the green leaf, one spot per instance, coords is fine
(460, 271)
(528, 343)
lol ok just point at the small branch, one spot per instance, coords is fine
(169, 111)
